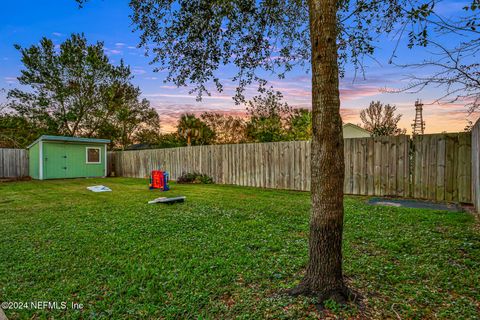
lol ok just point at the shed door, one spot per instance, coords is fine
(55, 160)
(75, 161)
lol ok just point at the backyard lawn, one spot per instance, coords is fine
(227, 252)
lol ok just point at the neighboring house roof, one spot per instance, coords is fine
(351, 130)
(139, 146)
(68, 139)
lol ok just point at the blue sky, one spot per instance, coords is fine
(26, 22)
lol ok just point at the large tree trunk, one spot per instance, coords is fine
(324, 271)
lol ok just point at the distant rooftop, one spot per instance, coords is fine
(356, 127)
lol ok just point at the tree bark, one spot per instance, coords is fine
(324, 270)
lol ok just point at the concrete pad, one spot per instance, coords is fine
(416, 204)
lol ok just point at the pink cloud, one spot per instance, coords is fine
(350, 93)
(170, 112)
(350, 115)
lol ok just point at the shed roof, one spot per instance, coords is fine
(68, 139)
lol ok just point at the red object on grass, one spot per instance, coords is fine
(158, 180)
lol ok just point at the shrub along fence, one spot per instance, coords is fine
(13, 163)
(435, 167)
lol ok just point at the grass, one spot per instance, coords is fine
(225, 253)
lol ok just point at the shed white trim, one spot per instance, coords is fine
(99, 155)
(40, 160)
(106, 172)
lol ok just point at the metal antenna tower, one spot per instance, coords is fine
(418, 126)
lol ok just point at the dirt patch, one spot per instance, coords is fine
(227, 300)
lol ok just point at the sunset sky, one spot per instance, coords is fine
(25, 22)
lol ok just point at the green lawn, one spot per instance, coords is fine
(226, 253)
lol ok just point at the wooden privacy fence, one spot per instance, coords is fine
(13, 163)
(435, 167)
(373, 166)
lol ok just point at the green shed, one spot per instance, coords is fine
(57, 157)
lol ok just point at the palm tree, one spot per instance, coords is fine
(189, 127)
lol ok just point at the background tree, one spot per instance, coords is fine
(135, 120)
(16, 131)
(170, 140)
(299, 125)
(193, 38)
(78, 92)
(381, 120)
(267, 115)
(194, 130)
(227, 128)
(148, 137)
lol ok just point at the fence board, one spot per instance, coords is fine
(370, 166)
(440, 174)
(347, 183)
(13, 163)
(475, 165)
